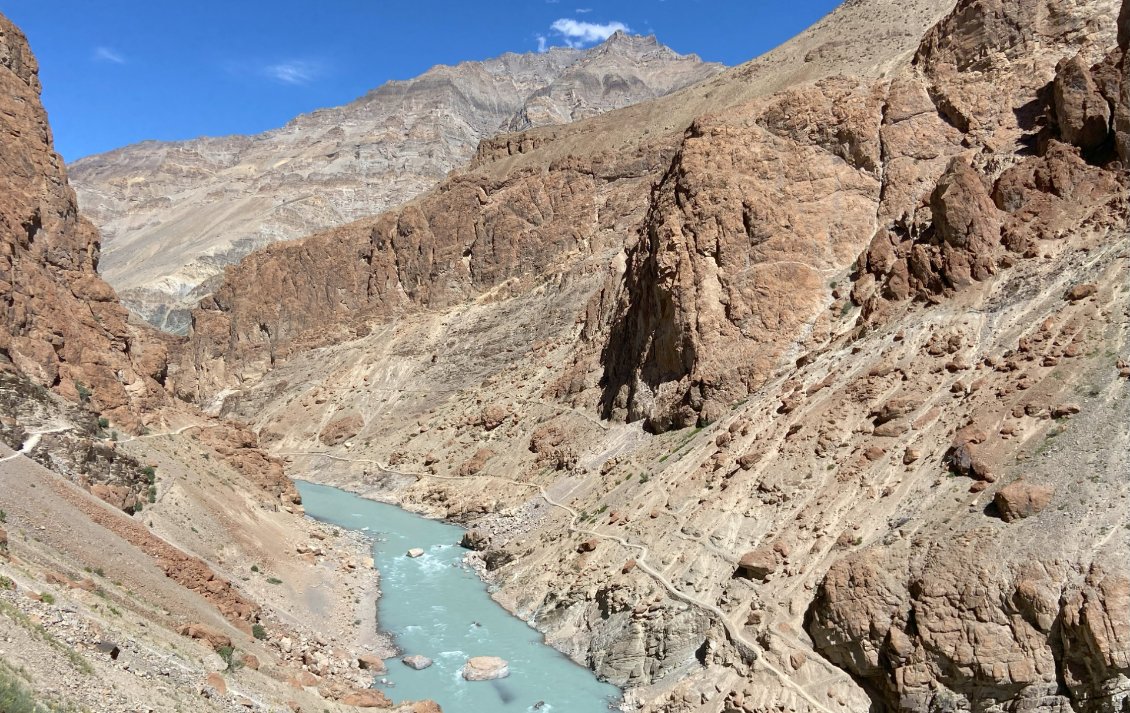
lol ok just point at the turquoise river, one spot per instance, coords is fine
(435, 606)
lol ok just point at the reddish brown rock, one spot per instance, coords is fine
(697, 335)
(874, 453)
(60, 324)
(1081, 111)
(303, 679)
(210, 636)
(894, 408)
(1080, 292)
(956, 604)
(476, 462)
(366, 698)
(967, 459)
(747, 461)
(216, 682)
(1095, 635)
(492, 416)
(551, 443)
(1064, 410)
(1020, 499)
(372, 662)
(758, 563)
(891, 429)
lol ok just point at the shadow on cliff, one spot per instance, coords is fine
(645, 349)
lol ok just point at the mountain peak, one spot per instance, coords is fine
(622, 41)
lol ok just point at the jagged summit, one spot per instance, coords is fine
(173, 214)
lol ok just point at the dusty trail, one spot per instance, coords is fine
(34, 437)
(32, 441)
(174, 432)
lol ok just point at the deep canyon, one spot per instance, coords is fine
(800, 385)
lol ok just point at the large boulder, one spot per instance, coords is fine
(416, 661)
(492, 416)
(485, 668)
(758, 563)
(372, 662)
(968, 224)
(367, 698)
(475, 540)
(1021, 499)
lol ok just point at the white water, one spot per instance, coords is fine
(436, 607)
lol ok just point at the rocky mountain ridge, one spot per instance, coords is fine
(173, 215)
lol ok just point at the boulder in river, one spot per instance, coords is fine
(485, 668)
(417, 662)
(415, 552)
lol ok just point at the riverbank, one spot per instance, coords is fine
(437, 606)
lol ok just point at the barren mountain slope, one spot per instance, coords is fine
(861, 346)
(174, 214)
(130, 522)
(529, 201)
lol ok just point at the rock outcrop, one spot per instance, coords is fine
(956, 624)
(62, 325)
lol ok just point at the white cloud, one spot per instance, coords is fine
(106, 54)
(583, 10)
(542, 45)
(576, 33)
(295, 71)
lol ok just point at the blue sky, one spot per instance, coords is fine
(119, 71)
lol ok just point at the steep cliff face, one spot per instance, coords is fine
(472, 236)
(173, 215)
(738, 259)
(62, 325)
(968, 624)
(760, 210)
